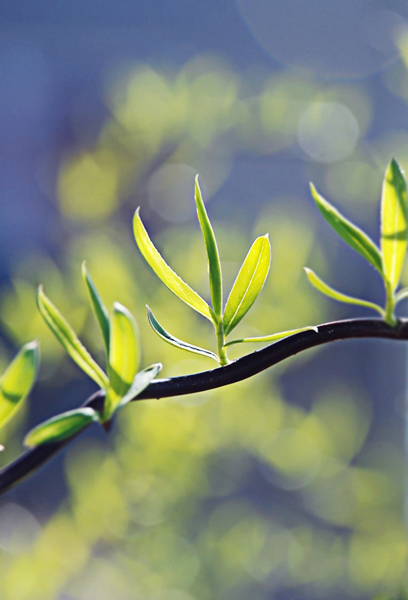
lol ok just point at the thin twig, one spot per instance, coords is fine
(240, 369)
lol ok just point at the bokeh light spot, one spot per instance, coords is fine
(328, 131)
(340, 38)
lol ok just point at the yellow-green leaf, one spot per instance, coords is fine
(123, 358)
(171, 339)
(394, 214)
(17, 381)
(140, 382)
(61, 427)
(274, 337)
(329, 291)
(68, 338)
(214, 265)
(249, 283)
(350, 233)
(165, 273)
(100, 311)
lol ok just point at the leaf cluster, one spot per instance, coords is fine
(388, 259)
(245, 290)
(121, 380)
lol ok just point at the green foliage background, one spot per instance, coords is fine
(167, 508)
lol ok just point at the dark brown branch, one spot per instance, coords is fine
(240, 369)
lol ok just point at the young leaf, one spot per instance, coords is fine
(66, 335)
(214, 266)
(17, 381)
(165, 273)
(394, 208)
(61, 427)
(101, 312)
(328, 291)
(274, 337)
(350, 233)
(249, 283)
(123, 358)
(170, 339)
(140, 382)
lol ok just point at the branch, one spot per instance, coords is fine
(240, 369)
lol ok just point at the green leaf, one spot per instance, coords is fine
(249, 283)
(394, 208)
(17, 381)
(100, 311)
(61, 427)
(68, 338)
(140, 382)
(214, 265)
(274, 337)
(328, 291)
(123, 358)
(170, 339)
(350, 233)
(165, 273)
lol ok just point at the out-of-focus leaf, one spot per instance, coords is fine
(170, 339)
(402, 294)
(165, 273)
(214, 265)
(61, 427)
(68, 338)
(249, 283)
(394, 215)
(17, 381)
(140, 382)
(328, 291)
(100, 310)
(123, 357)
(350, 233)
(274, 337)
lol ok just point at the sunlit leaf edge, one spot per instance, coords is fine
(325, 289)
(100, 311)
(355, 237)
(69, 340)
(165, 273)
(171, 339)
(274, 337)
(74, 421)
(236, 301)
(214, 265)
(140, 382)
(124, 357)
(393, 245)
(27, 359)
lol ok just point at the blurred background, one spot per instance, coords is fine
(288, 486)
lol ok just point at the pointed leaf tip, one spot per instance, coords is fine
(325, 289)
(248, 283)
(124, 357)
(171, 339)
(140, 382)
(69, 340)
(350, 233)
(18, 380)
(98, 307)
(154, 259)
(394, 217)
(61, 427)
(214, 265)
(274, 337)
